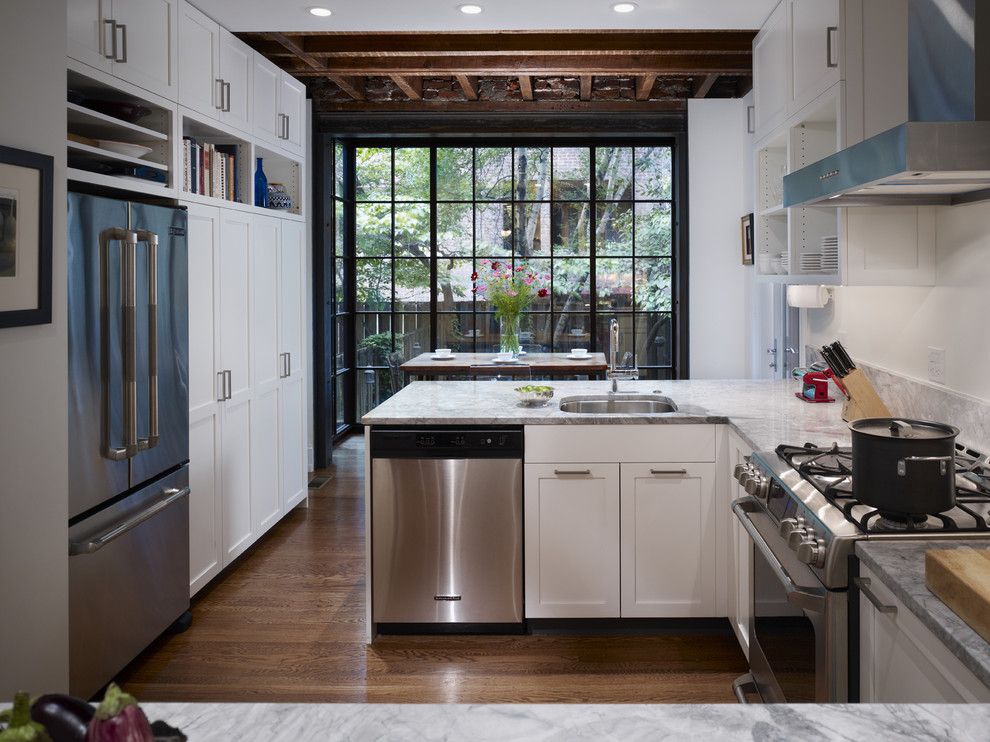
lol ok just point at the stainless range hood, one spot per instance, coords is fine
(941, 155)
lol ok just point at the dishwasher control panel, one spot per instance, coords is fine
(447, 443)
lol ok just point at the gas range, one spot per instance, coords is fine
(807, 490)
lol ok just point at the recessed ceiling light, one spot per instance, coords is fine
(469, 9)
(624, 7)
(321, 12)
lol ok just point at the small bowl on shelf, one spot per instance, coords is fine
(534, 395)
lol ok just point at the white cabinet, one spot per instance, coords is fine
(291, 335)
(815, 48)
(572, 541)
(214, 70)
(279, 106)
(740, 552)
(134, 40)
(901, 660)
(667, 540)
(772, 70)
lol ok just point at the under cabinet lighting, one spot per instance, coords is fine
(321, 12)
(469, 9)
(624, 7)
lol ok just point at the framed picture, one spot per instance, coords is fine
(26, 183)
(746, 234)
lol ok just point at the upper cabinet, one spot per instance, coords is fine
(815, 48)
(772, 71)
(279, 106)
(134, 40)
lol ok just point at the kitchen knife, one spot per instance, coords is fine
(843, 356)
(831, 360)
(842, 369)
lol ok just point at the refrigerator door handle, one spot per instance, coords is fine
(151, 240)
(119, 529)
(129, 243)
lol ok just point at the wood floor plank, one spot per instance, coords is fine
(286, 623)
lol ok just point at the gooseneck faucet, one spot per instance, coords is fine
(614, 373)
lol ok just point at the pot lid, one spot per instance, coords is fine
(887, 427)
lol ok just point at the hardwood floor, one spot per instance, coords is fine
(286, 621)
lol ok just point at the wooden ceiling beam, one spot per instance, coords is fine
(703, 86)
(526, 87)
(411, 86)
(587, 82)
(488, 106)
(353, 86)
(294, 48)
(536, 65)
(469, 84)
(644, 86)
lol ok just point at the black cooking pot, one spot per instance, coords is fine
(904, 467)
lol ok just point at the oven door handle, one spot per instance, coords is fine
(808, 600)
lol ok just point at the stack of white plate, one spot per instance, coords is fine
(785, 263)
(830, 254)
(811, 262)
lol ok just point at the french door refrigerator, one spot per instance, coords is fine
(128, 432)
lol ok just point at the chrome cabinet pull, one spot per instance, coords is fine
(113, 38)
(288, 365)
(863, 583)
(750, 119)
(221, 394)
(829, 32)
(113, 533)
(286, 127)
(225, 98)
(123, 42)
(681, 472)
(230, 384)
(151, 240)
(218, 93)
(572, 472)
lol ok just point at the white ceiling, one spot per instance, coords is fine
(443, 15)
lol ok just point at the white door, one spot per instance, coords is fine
(236, 64)
(149, 41)
(235, 478)
(740, 553)
(264, 100)
(667, 534)
(205, 506)
(292, 105)
(772, 71)
(89, 36)
(199, 63)
(572, 540)
(292, 442)
(265, 495)
(769, 301)
(816, 47)
(292, 296)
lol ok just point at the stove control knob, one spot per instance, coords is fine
(739, 471)
(758, 486)
(811, 551)
(787, 525)
(798, 536)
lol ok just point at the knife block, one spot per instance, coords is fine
(863, 400)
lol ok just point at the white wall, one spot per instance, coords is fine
(33, 371)
(893, 327)
(720, 301)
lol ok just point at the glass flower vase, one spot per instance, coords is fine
(508, 334)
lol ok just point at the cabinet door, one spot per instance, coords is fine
(265, 495)
(668, 535)
(199, 63)
(205, 507)
(772, 71)
(740, 553)
(149, 45)
(292, 442)
(572, 540)
(264, 100)
(234, 306)
(89, 38)
(236, 64)
(292, 105)
(816, 47)
(292, 296)
(264, 314)
(235, 478)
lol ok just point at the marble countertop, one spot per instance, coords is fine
(765, 413)
(625, 722)
(901, 567)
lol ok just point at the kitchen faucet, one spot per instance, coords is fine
(615, 373)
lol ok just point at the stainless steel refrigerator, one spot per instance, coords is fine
(128, 432)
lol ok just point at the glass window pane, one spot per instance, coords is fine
(412, 174)
(532, 229)
(412, 230)
(571, 331)
(653, 173)
(626, 339)
(571, 170)
(613, 232)
(339, 414)
(374, 284)
(454, 285)
(412, 285)
(571, 284)
(338, 169)
(342, 340)
(535, 332)
(456, 331)
(571, 228)
(373, 230)
(653, 229)
(412, 334)
(340, 284)
(373, 386)
(493, 174)
(493, 230)
(455, 229)
(486, 332)
(614, 283)
(532, 174)
(373, 173)
(654, 339)
(541, 269)
(340, 232)
(454, 169)
(653, 285)
(374, 338)
(613, 173)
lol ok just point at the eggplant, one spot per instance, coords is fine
(118, 718)
(65, 717)
(21, 728)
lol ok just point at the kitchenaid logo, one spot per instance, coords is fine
(446, 597)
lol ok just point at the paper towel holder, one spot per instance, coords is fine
(808, 296)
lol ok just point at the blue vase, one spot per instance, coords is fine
(260, 187)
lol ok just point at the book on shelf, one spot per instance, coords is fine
(210, 169)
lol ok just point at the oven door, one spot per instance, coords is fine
(797, 644)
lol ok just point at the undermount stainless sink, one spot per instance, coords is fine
(618, 404)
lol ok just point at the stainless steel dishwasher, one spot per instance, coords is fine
(446, 526)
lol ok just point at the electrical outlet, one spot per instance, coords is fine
(936, 365)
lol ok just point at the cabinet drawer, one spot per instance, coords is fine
(620, 443)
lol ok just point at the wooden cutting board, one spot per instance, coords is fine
(961, 579)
